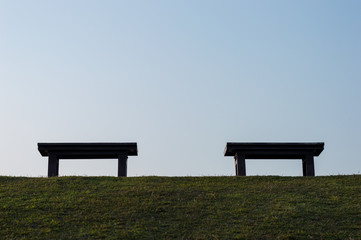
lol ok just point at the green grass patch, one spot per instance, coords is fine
(181, 208)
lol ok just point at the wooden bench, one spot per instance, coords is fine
(304, 151)
(57, 151)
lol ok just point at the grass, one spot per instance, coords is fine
(181, 208)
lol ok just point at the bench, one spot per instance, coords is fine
(57, 151)
(304, 151)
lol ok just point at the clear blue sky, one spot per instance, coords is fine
(181, 78)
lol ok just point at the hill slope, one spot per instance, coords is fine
(181, 208)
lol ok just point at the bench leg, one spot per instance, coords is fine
(122, 165)
(53, 166)
(304, 167)
(240, 162)
(308, 165)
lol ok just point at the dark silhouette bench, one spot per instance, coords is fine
(304, 151)
(57, 151)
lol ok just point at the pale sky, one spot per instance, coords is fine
(180, 78)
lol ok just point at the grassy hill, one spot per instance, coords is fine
(181, 208)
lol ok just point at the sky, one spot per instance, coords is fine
(180, 78)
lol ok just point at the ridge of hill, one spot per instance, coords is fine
(181, 207)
